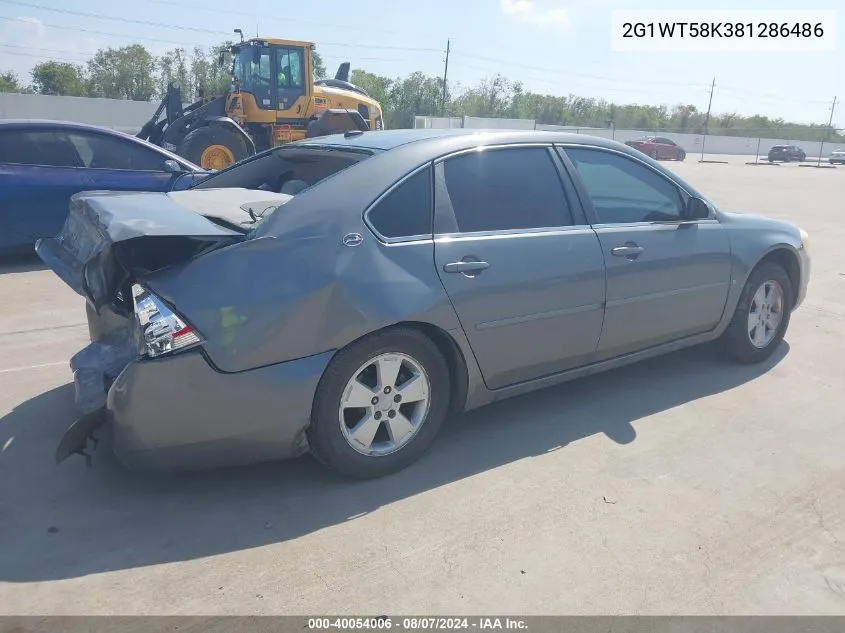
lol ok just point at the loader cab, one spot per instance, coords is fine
(275, 72)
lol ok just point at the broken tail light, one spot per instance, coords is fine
(162, 330)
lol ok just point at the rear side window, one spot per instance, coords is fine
(46, 148)
(407, 210)
(506, 189)
(105, 152)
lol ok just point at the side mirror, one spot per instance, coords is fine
(172, 167)
(697, 209)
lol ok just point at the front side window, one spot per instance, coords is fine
(624, 191)
(290, 67)
(506, 189)
(104, 152)
(407, 210)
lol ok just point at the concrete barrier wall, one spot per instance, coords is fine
(130, 116)
(126, 116)
(736, 145)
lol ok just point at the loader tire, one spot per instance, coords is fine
(213, 147)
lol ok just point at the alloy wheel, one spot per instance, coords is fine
(765, 314)
(384, 404)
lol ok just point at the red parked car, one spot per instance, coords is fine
(658, 147)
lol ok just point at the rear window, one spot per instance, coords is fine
(290, 169)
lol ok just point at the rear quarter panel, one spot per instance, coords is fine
(295, 290)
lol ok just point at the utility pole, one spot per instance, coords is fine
(829, 124)
(707, 118)
(445, 75)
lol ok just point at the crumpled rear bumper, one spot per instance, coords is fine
(94, 368)
(180, 413)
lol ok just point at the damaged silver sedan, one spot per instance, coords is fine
(343, 294)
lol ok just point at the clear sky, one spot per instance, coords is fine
(552, 46)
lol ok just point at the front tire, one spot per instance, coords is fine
(682, 155)
(761, 317)
(213, 147)
(380, 404)
(653, 154)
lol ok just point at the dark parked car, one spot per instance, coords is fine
(658, 147)
(421, 272)
(43, 163)
(786, 153)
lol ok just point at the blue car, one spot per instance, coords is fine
(43, 163)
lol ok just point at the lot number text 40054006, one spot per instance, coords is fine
(417, 623)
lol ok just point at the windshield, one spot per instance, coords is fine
(289, 169)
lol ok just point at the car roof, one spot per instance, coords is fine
(73, 126)
(386, 140)
(399, 153)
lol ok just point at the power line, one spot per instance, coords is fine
(196, 29)
(764, 95)
(111, 17)
(94, 32)
(49, 57)
(558, 82)
(91, 53)
(264, 16)
(572, 74)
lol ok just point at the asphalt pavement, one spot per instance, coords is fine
(684, 484)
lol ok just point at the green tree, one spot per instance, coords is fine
(173, 68)
(9, 82)
(416, 95)
(122, 73)
(317, 65)
(59, 78)
(376, 86)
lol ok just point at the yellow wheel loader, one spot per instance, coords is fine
(273, 100)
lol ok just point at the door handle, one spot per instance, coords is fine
(465, 267)
(627, 251)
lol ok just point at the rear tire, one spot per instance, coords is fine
(682, 155)
(201, 140)
(336, 434)
(653, 154)
(736, 341)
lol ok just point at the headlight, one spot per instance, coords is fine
(805, 239)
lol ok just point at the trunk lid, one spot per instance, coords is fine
(111, 239)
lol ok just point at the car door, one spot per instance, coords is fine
(524, 271)
(38, 176)
(667, 277)
(665, 147)
(117, 164)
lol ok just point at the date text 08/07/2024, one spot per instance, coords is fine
(416, 623)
